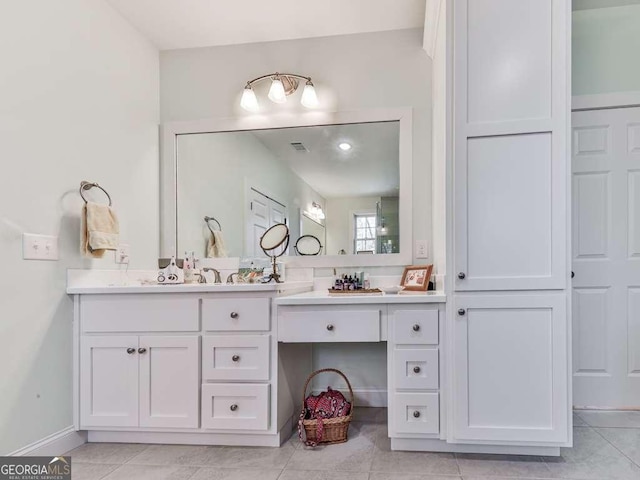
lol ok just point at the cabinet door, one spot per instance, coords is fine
(169, 381)
(109, 381)
(511, 144)
(510, 368)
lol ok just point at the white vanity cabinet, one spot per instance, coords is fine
(146, 381)
(177, 367)
(414, 371)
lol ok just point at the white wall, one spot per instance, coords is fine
(605, 45)
(78, 100)
(213, 173)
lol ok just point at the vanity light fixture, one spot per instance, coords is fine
(282, 85)
(344, 146)
(317, 212)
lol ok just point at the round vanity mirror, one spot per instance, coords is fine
(274, 243)
(274, 237)
(308, 245)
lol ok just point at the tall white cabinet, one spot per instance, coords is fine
(508, 178)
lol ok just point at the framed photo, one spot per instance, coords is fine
(416, 277)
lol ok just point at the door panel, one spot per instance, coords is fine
(108, 381)
(169, 380)
(510, 144)
(606, 258)
(510, 368)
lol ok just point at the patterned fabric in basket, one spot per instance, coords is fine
(329, 404)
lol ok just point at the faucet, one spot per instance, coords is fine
(203, 278)
(230, 277)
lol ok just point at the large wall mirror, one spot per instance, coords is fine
(345, 180)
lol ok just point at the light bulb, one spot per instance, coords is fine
(249, 101)
(276, 92)
(309, 98)
(344, 146)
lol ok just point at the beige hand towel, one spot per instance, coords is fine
(215, 245)
(100, 230)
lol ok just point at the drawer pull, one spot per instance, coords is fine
(462, 275)
(142, 350)
(234, 315)
(416, 369)
(236, 358)
(461, 311)
(233, 407)
(416, 414)
(131, 350)
(416, 328)
(330, 327)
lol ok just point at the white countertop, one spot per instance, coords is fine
(322, 297)
(187, 288)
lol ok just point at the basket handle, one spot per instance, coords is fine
(317, 372)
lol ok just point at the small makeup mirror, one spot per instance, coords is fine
(274, 243)
(308, 245)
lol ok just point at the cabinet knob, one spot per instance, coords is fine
(416, 328)
(461, 311)
(233, 407)
(416, 369)
(142, 350)
(416, 414)
(235, 358)
(573, 274)
(462, 275)
(330, 327)
(234, 315)
(131, 351)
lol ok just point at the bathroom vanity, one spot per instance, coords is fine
(225, 365)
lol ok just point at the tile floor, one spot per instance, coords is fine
(606, 447)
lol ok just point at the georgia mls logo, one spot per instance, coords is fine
(35, 468)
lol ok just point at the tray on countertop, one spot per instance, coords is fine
(362, 291)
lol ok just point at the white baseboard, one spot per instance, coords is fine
(366, 397)
(435, 445)
(53, 445)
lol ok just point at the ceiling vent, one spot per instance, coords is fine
(299, 147)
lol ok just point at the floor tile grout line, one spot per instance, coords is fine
(610, 443)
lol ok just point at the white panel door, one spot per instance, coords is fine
(510, 370)
(263, 212)
(108, 381)
(511, 98)
(606, 258)
(169, 381)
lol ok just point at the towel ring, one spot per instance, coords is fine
(84, 185)
(207, 219)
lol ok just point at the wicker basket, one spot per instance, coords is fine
(335, 429)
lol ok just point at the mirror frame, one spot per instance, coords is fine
(169, 175)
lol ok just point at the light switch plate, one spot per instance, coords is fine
(421, 249)
(39, 247)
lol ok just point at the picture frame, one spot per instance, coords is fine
(416, 277)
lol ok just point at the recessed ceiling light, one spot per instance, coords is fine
(344, 146)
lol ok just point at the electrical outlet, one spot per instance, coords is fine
(39, 247)
(122, 253)
(421, 249)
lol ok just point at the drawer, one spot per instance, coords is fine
(416, 369)
(329, 326)
(235, 357)
(235, 407)
(417, 413)
(139, 313)
(416, 327)
(236, 314)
